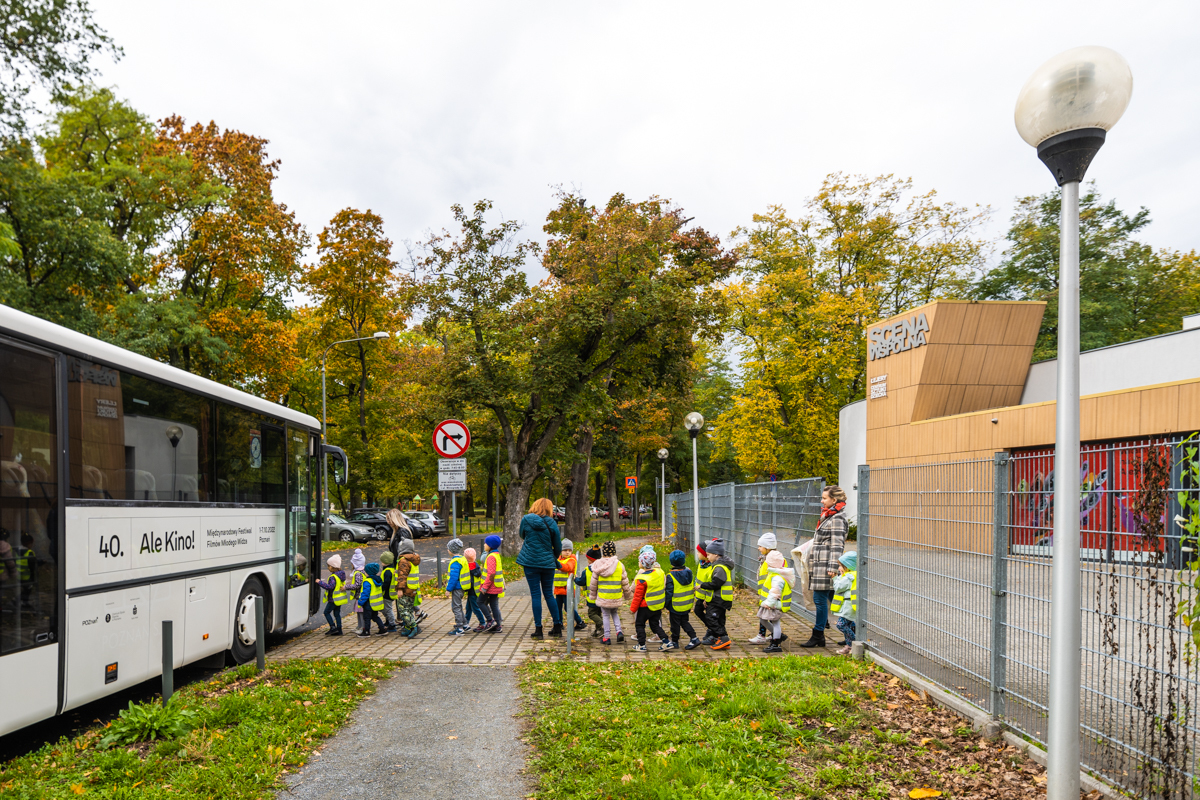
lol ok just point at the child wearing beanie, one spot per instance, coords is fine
(408, 581)
(767, 543)
(388, 575)
(371, 600)
(336, 595)
(681, 589)
(608, 587)
(649, 598)
(583, 581)
(492, 588)
(458, 581)
(720, 584)
(703, 573)
(565, 573)
(355, 584)
(770, 609)
(845, 599)
(472, 594)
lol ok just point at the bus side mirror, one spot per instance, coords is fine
(341, 465)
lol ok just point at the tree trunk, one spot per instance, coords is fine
(517, 501)
(491, 496)
(598, 500)
(614, 517)
(578, 519)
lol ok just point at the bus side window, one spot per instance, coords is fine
(28, 499)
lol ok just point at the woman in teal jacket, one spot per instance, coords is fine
(541, 545)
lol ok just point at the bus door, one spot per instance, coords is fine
(316, 521)
(30, 534)
(301, 505)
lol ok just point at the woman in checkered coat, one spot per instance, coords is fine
(829, 541)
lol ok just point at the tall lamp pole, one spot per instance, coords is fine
(324, 437)
(662, 500)
(694, 422)
(1064, 110)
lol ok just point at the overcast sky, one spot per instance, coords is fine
(725, 108)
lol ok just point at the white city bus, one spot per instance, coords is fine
(132, 492)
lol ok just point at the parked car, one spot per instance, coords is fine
(625, 512)
(375, 519)
(646, 509)
(346, 531)
(560, 514)
(428, 522)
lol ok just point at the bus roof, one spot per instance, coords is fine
(35, 330)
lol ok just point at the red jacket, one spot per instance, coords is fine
(639, 594)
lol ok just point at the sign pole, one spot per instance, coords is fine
(454, 514)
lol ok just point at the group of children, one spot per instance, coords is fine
(481, 585)
(392, 582)
(475, 588)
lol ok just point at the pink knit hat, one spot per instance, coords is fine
(335, 561)
(775, 559)
(470, 553)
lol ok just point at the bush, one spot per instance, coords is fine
(146, 722)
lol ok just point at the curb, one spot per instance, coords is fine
(982, 721)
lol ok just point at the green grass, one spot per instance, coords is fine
(664, 550)
(679, 729)
(330, 547)
(247, 730)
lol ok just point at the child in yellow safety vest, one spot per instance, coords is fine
(608, 587)
(767, 544)
(371, 600)
(719, 587)
(492, 587)
(649, 599)
(458, 581)
(408, 583)
(355, 583)
(336, 595)
(681, 590)
(845, 599)
(387, 574)
(583, 581)
(771, 610)
(473, 592)
(566, 572)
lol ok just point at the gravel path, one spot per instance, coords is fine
(434, 732)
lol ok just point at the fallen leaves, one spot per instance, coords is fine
(917, 793)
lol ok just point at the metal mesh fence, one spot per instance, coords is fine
(956, 562)
(740, 513)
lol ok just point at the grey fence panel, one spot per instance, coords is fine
(958, 581)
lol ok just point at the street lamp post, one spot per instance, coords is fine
(1064, 110)
(324, 436)
(694, 422)
(662, 501)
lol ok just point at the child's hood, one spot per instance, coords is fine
(412, 558)
(683, 575)
(605, 566)
(787, 573)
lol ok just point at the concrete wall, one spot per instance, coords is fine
(852, 451)
(1145, 362)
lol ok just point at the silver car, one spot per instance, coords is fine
(432, 521)
(345, 531)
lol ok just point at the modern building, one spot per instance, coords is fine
(951, 381)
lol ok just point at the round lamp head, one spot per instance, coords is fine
(174, 434)
(693, 421)
(1084, 87)
(380, 335)
(662, 454)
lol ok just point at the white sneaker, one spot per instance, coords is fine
(760, 639)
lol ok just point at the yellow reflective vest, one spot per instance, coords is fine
(560, 577)
(852, 598)
(498, 578)
(656, 588)
(414, 576)
(681, 596)
(389, 574)
(376, 601)
(764, 588)
(338, 596)
(703, 575)
(609, 588)
(464, 573)
(727, 586)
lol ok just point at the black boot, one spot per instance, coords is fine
(537, 633)
(556, 631)
(773, 647)
(817, 639)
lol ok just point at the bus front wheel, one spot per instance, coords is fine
(243, 650)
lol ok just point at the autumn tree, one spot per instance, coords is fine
(357, 293)
(1127, 289)
(864, 249)
(45, 44)
(530, 356)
